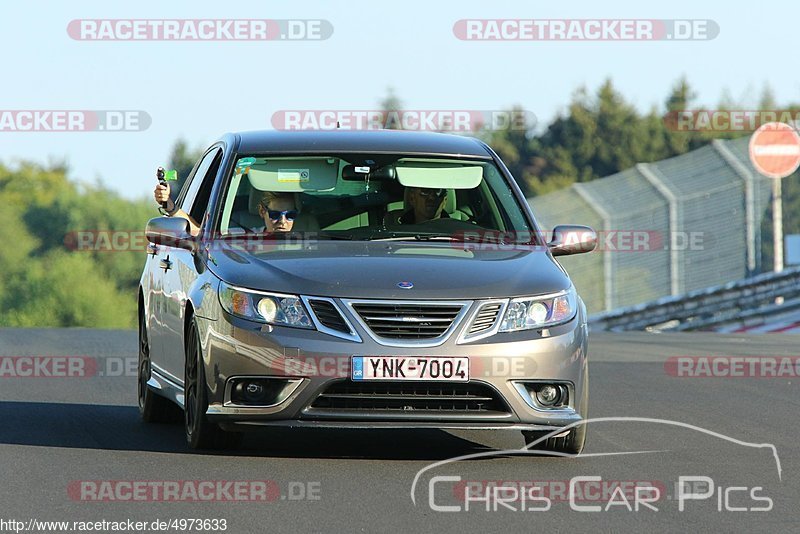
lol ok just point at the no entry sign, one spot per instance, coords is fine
(775, 149)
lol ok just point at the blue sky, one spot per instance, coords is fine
(199, 90)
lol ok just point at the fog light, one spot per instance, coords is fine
(548, 395)
(248, 392)
(261, 391)
(252, 392)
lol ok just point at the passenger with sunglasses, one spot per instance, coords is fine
(426, 204)
(278, 211)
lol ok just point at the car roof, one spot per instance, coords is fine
(360, 141)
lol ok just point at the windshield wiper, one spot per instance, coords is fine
(432, 236)
(336, 237)
(407, 236)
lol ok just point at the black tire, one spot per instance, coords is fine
(153, 408)
(573, 442)
(200, 432)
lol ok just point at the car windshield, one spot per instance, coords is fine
(370, 197)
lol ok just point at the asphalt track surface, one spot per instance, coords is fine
(57, 432)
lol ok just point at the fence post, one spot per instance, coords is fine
(610, 300)
(753, 233)
(675, 264)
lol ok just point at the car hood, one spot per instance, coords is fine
(374, 269)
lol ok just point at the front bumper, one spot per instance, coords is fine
(315, 361)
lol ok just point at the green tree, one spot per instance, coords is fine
(66, 289)
(19, 244)
(767, 100)
(391, 103)
(47, 282)
(599, 136)
(513, 145)
(680, 99)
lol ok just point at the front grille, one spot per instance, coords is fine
(485, 318)
(410, 397)
(408, 321)
(328, 315)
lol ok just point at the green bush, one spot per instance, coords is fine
(44, 282)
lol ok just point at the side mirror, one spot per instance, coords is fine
(572, 239)
(170, 232)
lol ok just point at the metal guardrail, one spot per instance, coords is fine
(713, 193)
(740, 301)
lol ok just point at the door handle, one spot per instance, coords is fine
(165, 263)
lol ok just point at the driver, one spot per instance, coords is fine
(426, 204)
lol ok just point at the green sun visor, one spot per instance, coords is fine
(292, 175)
(438, 174)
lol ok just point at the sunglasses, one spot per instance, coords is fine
(275, 215)
(426, 192)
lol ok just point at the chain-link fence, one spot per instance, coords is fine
(666, 228)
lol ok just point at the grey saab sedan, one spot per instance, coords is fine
(372, 279)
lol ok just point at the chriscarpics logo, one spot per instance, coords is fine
(744, 476)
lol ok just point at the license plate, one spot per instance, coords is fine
(426, 368)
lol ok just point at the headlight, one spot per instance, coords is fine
(537, 312)
(273, 308)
